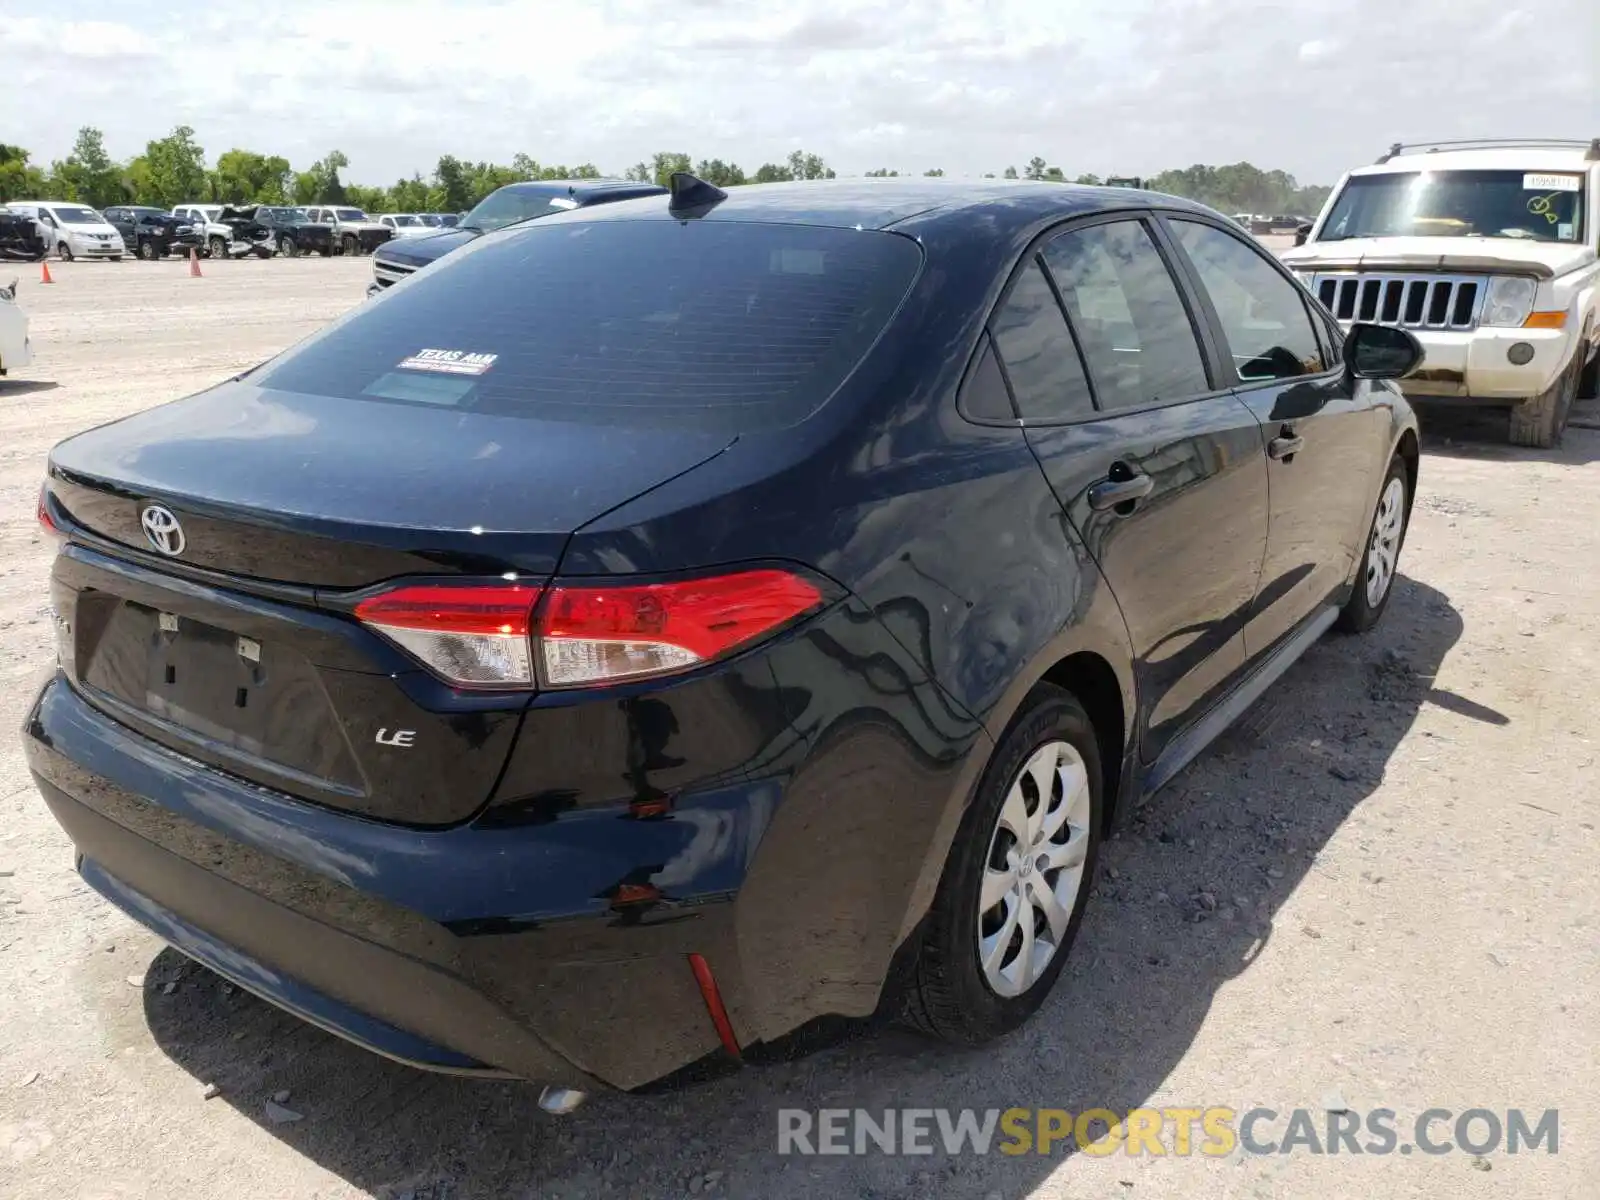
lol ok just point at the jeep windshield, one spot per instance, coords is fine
(1530, 205)
(350, 214)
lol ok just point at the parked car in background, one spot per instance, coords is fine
(204, 218)
(439, 220)
(407, 225)
(353, 231)
(19, 237)
(151, 233)
(293, 233)
(664, 624)
(16, 351)
(71, 230)
(505, 206)
(1486, 250)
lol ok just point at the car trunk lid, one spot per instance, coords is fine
(239, 649)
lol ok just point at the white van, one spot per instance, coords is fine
(72, 230)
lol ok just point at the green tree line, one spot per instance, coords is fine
(172, 170)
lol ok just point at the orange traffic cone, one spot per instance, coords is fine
(44, 271)
(194, 264)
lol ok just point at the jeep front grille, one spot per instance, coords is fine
(1409, 301)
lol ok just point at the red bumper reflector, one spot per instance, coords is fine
(713, 999)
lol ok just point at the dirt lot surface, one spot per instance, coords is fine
(1379, 891)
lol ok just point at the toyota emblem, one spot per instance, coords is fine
(161, 529)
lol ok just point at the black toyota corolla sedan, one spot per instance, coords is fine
(669, 622)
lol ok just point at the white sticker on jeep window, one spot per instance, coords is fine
(448, 362)
(1551, 183)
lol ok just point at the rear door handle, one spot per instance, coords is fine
(1109, 493)
(1286, 445)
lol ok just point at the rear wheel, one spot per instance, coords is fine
(217, 248)
(1017, 880)
(287, 248)
(1540, 422)
(63, 252)
(349, 245)
(148, 250)
(1385, 536)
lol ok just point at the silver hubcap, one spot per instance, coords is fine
(1384, 549)
(1034, 869)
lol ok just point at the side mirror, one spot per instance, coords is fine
(1301, 233)
(1381, 352)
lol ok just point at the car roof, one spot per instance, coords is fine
(1498, 158)
(1002, 204)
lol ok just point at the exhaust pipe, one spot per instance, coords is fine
(559, 1101)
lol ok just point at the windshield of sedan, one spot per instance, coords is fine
(719, 326)
(405, 219)
(78, 216)
(428, 219)
(351, 214)
(1531, 206)
(508, 206)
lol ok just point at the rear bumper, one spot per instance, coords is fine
(387, 936)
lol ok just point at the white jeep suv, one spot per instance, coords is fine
(1486, 251)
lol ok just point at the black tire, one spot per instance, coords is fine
(945, 993)
(63, 252)
(148, 250)
(216, 248)
(326, 251)
(1540, 422)
(349, 246)
(263, 252)
(116, 258)
(287, 247)
(1360, 613)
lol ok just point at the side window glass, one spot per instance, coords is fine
(1128, 315)
(983, 395)
(1037, 351)
(1264, 318)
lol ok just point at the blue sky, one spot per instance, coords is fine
(1125, 87)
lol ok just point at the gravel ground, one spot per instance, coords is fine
(1377, 891)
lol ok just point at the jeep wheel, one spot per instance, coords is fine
(287, 248)
(148, 250)
(1540, 422)
(349, 245)
(217, 248)
(326, 251)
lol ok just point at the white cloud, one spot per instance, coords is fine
(1109, 86)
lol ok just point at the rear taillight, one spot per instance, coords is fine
(590, 634)
(476, 636)
(583, 634)
(46, 522)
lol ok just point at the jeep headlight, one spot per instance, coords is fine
(1509, 301)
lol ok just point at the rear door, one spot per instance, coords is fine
(1326, 442)
(1160, 469)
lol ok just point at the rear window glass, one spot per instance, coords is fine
(717, 325)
